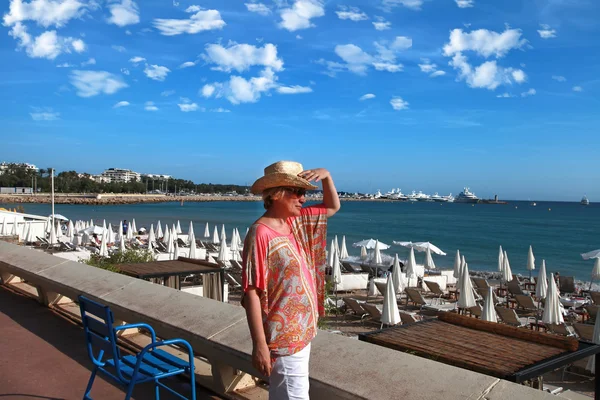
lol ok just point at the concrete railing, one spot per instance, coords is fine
(340, 367)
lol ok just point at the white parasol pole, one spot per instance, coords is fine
(52, 186)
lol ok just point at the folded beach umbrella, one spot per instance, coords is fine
(337, 246)
(150, 247)
(456, 272)
(363, 253)
(377, 254)
(390, 314)
(178, 228)
(552, 312)
(223, 252)
(192, 253)
(223, 234)
(466, 299)
(411, 266)
(14, 228)
(151, 234)
(234, 246)
(463, 262)
(167, 237)
(206, 231)
(191, 231)
(591, 364)
(133, 227)
(30, 237)
(591, 254)
(371, 288)
(122, 248)
(216, 236)
(175, 249)
(130, 232)
(104, 224)
(48, 225)
(170, 249)
(595, 272)
(120, 230)
(428, 259)
(336, 270)
(59, 233)
(233, 238)
(103, 247)
(53, 239)
(167, 230)
(174, 232)
(159, 231)
(397, 276)
(3, 230)
(343, 249)
(76, 240)
(70, 230)
(530, 261)
(91, 222)
(541, 287)
(506, 271)
(489, 311)
(239, 239)
(500, 260)
(331, 253)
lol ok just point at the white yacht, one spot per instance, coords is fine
(466, 197)
(449, 198)
(585, 201)
(423, 197)
(412, 196)
(437, 198)
(398, 195)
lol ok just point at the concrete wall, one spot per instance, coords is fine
(341, 367)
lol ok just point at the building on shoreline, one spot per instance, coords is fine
(4, 167)
(117, 175)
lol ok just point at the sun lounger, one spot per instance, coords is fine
(510, 317)
(374, 311)
(584, 331)
(408, 317)
(514, 288)
(348, 267)
(380, 286)
(355, 306)
(435, 288)
(476, 311)
(480, 283)
(561, 329)
(595, 297)
(417, 298)
(592, 310)
(566, 284)
(233, 283)
(526, 302)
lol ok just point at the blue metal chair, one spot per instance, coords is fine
(150, 365)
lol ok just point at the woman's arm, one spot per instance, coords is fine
(261, 355)
(330, 196)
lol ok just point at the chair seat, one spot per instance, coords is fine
(154, 364)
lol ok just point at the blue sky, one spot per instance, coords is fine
(425, 95)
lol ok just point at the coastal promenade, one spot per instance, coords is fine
(341, 367)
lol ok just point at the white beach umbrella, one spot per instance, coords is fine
(591, 254)
(167, 237)
(93, 229)
(370, 244)
(151, 235)
(48, 225)
(429, 260)
(223, 253)
(150, 247)
(530, 261)
(206, 231)
(3, 231)
(500, 260)
(595, 272)
(59, 217)
(159, 231)
(337, 246)
(216, 236)
(456, 272)
(552, 312)
(30, 237)
(331, 253)
(192, 249)
(336, 270)
(422, 246)
(233, 239)
(174, 232)
(167, 230)
(506, 271)
(541, 287)
(343, 249)
(70, 230)
(178, 227)
(169, 243)
(122, 244)
(91, 222)
(591, 364)
(133, 227)
(363, 253)
(129, 232)
(463, 262)
(466, 299)
(120, 230)
(15, 226)
(397, 276)
(103, 247)
(223, 234)
(176, 249)
(234, 246)
(371, 288)
(110, 234)
(76, 240)
(239, 239)
(59, 233)
(191, 231)
(53, 238)
(411, 266)
(104, 224)
(377, 254)
(390, 314)
(489, 311)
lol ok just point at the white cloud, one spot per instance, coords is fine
(298, 37)
(242, 56)
(91, 61)
(123, 13)
(47, 115)
(465, 3)
(46, 12)
(121, 104)
(546, 32)
(187, 64)
(220, 110)
(47, 45)
(388, 5)
(92, 83)
(294, 89)
(437, 73)
(398, 104)
(204, 20)
(381, 24)
(187, 107)
(351, 13)
(358, 61)
(530, 92)
(488, 75)
(299, 15)
(577, 89)
(128, 32)
(505, 95)
(156, 72)
(167, 93)
(389, 67)
(240, 90)
(559, 78)
(65, 65)
(208, 90)
(136, 59)
(258, 8)
(367, 96)
(120, 49)
(193, 9)
(484, 42)
(125, 71)
(149, 106)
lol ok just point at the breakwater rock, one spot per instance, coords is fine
(108, 199)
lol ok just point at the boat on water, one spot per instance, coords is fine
(423, 197)
(466, 196)
(585, 201)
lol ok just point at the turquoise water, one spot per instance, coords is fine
(558, 232)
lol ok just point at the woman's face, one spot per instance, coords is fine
(292, 201)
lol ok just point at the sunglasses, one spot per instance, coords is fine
(299, 192)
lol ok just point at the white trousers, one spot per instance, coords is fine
(289, 377)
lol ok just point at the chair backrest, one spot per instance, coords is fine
(351, 268)
(566, 284)
(507, 315)
(559, 329)
(100, 335)
(592, 310)
(408, 318)
(476, 310)
(373, 311)
(366, 268)
(381, 286)
(354, 305)
(584, 331)
(415, 296)
(525, 302)
(595, 297)
(480, 283)
(434, 287)
(514, 287)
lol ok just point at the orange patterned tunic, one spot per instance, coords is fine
(288, 271)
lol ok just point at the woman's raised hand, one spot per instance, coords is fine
(315, 174)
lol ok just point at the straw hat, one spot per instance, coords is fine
(282, 173)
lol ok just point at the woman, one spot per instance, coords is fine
(283, 276)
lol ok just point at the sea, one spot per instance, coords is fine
(558, 231)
